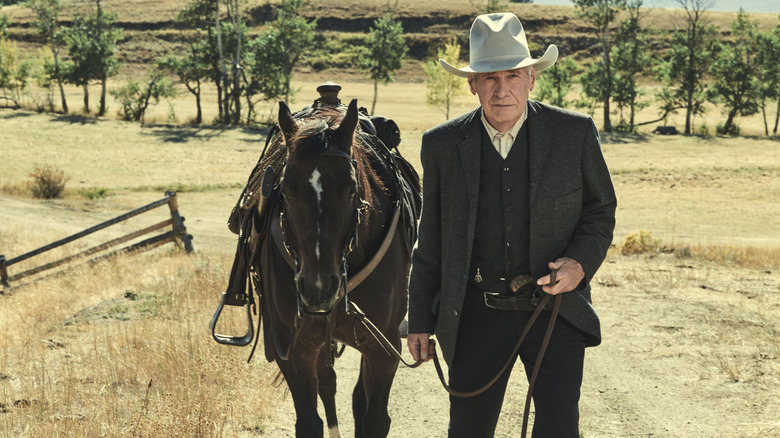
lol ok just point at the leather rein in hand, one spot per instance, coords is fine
(391, 350)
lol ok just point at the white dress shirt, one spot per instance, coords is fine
(503, 141)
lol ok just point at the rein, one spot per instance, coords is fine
(515, 351)
(392, 351)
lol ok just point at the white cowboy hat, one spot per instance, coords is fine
(497, 42)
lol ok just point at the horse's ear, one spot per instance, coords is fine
(286, 122)
(345, 133)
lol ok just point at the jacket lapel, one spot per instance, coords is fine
(469, 148)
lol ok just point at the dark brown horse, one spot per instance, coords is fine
(334, 244)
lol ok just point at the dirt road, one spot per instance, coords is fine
(689, 351)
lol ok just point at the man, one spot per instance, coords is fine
(513, 188)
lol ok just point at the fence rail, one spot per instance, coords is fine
(177, 233)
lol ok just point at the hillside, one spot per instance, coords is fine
(150, 28)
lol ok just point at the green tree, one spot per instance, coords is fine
(231, 36)
(769, 73)
(556, 82)
(3, 26)
(386, 49)
(200, 19)
(135, 97)
(631, 59)
(735, 72)
(47, 21)
(278, 49)
(689, 58)
(91, 45)
(191, 70)
(14, 73)
(442, 88)
(492, 6)
(598, 81)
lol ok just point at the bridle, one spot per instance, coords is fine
(350, 240)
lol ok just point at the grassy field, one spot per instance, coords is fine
(121, 348)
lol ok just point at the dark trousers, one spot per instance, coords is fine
(485, 340)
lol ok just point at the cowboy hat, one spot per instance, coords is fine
(497, 42)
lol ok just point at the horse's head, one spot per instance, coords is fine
(320, 203)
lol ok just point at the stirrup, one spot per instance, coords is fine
(232, 340)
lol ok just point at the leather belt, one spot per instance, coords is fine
(499, 301)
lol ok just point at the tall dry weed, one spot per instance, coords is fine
(122, 349)
(752, 257)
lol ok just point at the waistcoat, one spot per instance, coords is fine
(502, 235)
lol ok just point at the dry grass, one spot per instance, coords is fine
(121, 349)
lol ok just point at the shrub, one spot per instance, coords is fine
(640, 243)
(135, 98)
(48, 182)
(94, 193)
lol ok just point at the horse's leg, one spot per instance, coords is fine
(301, 376)
(327, 389)
(359, 402)
(377, 371)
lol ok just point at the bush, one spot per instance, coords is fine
(733, 131)
(48, 182)
(93, 194)
(640, 243)
(135, 98)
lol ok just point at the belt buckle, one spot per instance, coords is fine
(486, 295)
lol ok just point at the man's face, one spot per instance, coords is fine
(503, 94)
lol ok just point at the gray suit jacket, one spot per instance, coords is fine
(572, 207)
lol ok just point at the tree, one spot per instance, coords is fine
(769, 73)
(231, 36)
(386, 49)
(631, 59)
(735, 72)
(598, 81)
(191, 69)
(556, 82)
(47, 21)
(134, 98)
(278, 49)
(688, 62)
(3, 26)
(91, 46)
(206, 49)
(493, 6)
(442, 87)
(14, 73)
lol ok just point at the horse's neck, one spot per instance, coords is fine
(373, 228)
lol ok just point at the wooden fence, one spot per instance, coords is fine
(177, 233)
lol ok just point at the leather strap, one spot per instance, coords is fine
(516, 350)
(356, 279)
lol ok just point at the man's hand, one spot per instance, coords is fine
(568, 276)
(421, 346)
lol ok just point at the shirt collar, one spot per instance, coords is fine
(492, 132)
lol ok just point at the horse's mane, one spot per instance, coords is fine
(325, 118)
